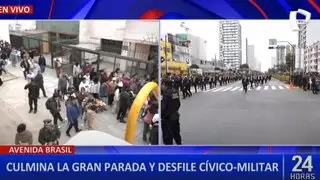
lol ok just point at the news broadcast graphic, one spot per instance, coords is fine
(173, 150)
(218, 167)
(53, 162)
(165, 9)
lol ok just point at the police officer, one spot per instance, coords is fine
(245, 82)
(170, 105)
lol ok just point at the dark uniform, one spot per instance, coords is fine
(245, 82)
(170, 105)
(39, 81)
(32, 95)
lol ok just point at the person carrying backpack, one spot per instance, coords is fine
(54, 106)
(49, 134)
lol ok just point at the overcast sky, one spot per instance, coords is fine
(258, 33)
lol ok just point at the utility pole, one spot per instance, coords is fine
(166, 53)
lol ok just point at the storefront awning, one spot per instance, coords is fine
(175, 65)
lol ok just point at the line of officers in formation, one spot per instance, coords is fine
(306, 81)
(170, 101)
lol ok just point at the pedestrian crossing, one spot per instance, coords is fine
(237, 88)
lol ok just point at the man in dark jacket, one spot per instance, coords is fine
(73, 113)
(39, 81)
(49, 134)
(42, 63)
(170, 117)
(32, 95)
(124, 104)
(25, 67)
(54, 106)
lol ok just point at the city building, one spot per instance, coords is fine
(135, 39)
(197, 47)
(312, 58)
(308, 42)
(130, 45)
(168, 63)
(251, 60)
(273, 61)
(258, 66)
(230, 43)
(281, 54)
(180, 48)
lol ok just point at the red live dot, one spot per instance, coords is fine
(152, 14)
(21, 9)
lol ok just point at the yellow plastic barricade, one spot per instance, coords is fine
(136, 107)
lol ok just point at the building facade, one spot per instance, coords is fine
(197, 46)
(251, 60)
(230, 43)
(281, 54)
(273, 61)
(312, 58)
(132, 38)
(308, 38)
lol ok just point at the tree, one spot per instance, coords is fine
(290, 60)
(283, 67)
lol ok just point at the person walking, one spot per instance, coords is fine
(54, 106)
(32, 95)
(42, 63)
(124, 104)
(73, 113)
(25, 67)
(39, 81)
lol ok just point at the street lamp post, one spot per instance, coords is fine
(165, 52)
(187, 34)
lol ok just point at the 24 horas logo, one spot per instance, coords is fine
(295, 22)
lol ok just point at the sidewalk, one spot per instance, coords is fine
(14, 98)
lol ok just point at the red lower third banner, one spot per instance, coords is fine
(21, 9)
(37, 149)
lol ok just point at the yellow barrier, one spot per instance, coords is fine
(136, 107)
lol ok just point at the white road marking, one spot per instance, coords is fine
(273, 87)
(235, 88)
(258, 88)
(266, 87)
(210, 90)
(280, 87)
(227, 89)
(216, 90)
(241, 89)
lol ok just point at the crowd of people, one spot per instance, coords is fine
(200, 82)
(306, 81)
(84, 92)
(173, 84)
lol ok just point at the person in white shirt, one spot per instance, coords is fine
(95, 86)
(87, 78)
(76, 69)
(84, 85)
(155, 130)
(117, 97)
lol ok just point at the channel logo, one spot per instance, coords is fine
(294, 22)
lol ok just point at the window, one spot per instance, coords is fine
(111, 46)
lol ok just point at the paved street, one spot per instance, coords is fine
(269, 114)
(14, 110)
